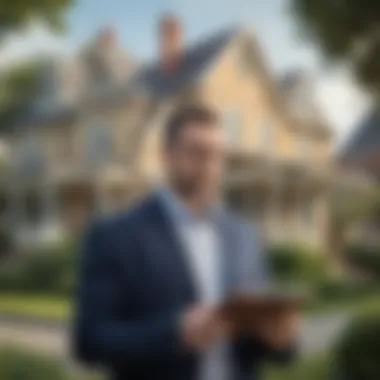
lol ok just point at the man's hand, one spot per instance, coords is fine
(280, 330)
(201, 327)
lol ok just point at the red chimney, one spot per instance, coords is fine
(107, 39)
(170, 43)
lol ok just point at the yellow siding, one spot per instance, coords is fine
(232, 86)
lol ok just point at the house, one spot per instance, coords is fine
(92, 141)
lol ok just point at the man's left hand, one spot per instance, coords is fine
(279, 330)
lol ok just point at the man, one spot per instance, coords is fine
(153, 277)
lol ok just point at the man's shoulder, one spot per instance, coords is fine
(133, 216)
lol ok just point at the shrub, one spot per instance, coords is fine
(357, 353)
(20, 364)
(294, 262)
(50, 270)
(16, 364)
(364, 257)
(331, 289)
(310, 368)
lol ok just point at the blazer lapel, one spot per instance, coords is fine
(164, 243)
(229, 250)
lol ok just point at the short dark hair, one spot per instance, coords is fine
(183, 116)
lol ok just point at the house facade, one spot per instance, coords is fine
(91, 144)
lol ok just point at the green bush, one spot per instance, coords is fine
(365, 257)
(357, 353)
(294, 262)
(16, 364)
(310, 368)
(330, 289)
(51, 270)
(20, 364)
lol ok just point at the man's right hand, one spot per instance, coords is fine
(201, 327)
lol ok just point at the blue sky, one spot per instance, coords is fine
(136, 22)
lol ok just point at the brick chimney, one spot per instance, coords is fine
(107, 39)
(170, 31)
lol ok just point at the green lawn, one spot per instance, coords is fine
(35, 306)
(59, 308)
(315, 368)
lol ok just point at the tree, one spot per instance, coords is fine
(19, 84)
(347, 30)
(350, 209)
(18, 87)
(16, 14)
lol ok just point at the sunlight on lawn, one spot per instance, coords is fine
(316, 368)
(35, 306)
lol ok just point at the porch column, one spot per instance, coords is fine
(298, 210)
(321, 218)
(276, 230)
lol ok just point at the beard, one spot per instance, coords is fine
(190, 188)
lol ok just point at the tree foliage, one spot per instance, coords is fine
(19, 84)
(15, 14)
(345, 29)
(18, 87)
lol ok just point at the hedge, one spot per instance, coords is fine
(365, 257)
(21, 364)
(357, 353)
(297, 263)
(17, 364)
(51, 270)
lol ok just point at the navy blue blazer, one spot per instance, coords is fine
(133, 285)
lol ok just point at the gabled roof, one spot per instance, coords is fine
(194, 64)
(366, 137)
(150, 79)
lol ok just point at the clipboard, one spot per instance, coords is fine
(244, 309)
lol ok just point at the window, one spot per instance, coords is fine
(308, 212)
(267, 136)
(303, 146)
(98, 148)
(30, 160)
(49, 98)
(232, 125)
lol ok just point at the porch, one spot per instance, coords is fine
(288, 201)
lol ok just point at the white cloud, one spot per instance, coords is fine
(33, 42)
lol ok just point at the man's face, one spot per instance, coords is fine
(195, 160)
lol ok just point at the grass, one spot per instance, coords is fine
(19, 364)
(59, 309)
(314, 368)
(344, 305)
(35, 307)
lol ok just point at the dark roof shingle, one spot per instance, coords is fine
(366, 137)
(194, 63)
(151, 78)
